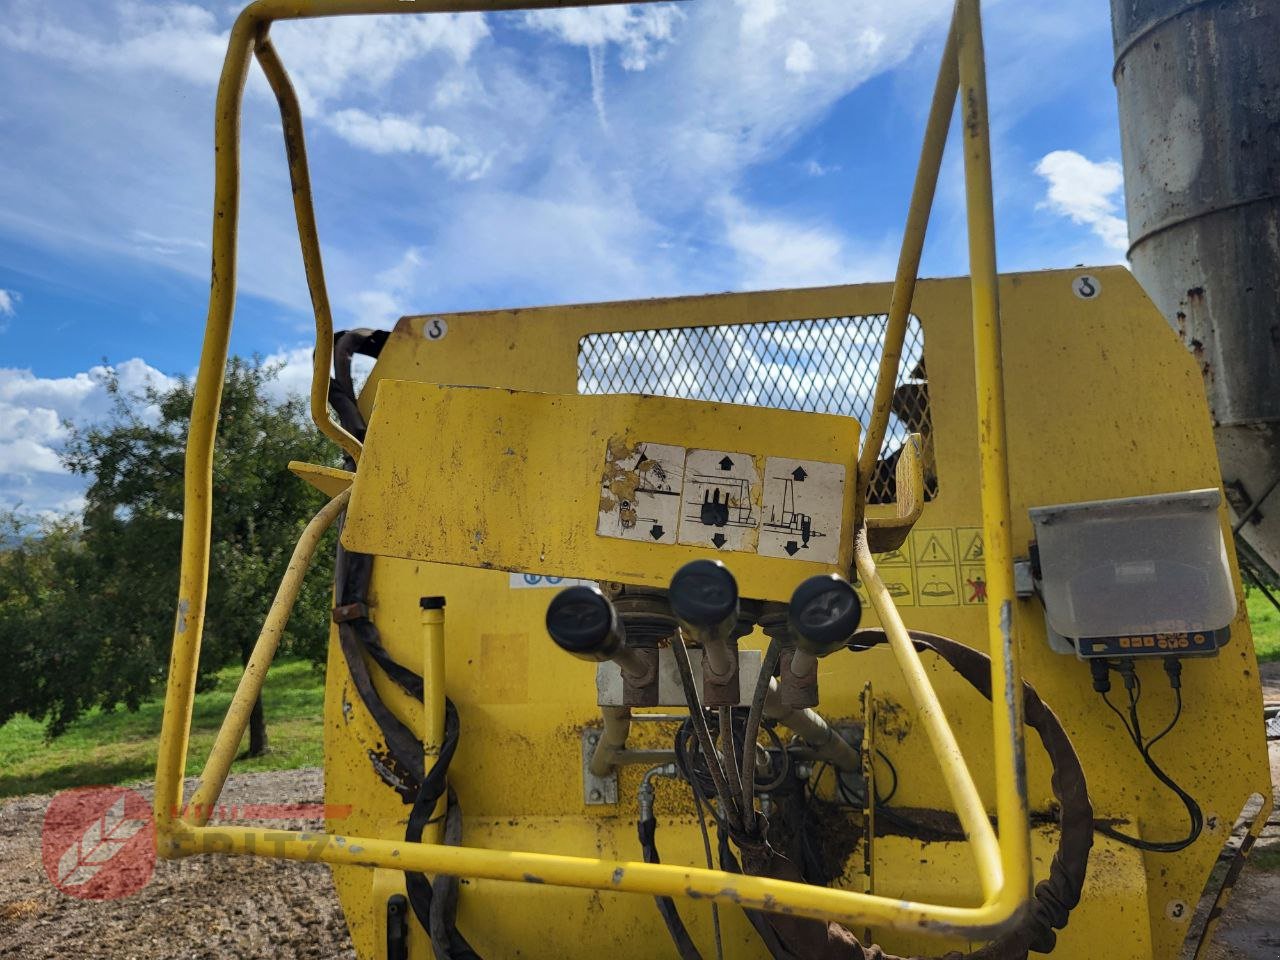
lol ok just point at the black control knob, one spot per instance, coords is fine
(704, 595)
(823, 615)
(583, 622)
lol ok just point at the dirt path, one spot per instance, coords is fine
(1250, 925)
(221, 907)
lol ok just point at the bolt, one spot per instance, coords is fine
(595, 796)
(593, 739)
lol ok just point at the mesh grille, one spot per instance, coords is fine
(820, 366)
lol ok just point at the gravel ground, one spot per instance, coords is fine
(222, 907)
(202, 908)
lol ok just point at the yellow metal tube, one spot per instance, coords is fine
(751, 892)
(175, 838)
(309, 237)
(955, 773)
(248, 28)
(904, 283)
(1006, 674)
(233, 726)
(433, 707)
(193, 579)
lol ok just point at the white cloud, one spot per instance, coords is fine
(389, 133)
(9, 300)
(34, 412)
(775, 252)
(799, 57)
(1086, 192)
(640, 33)
(327, 57)
(336, 57)
(815, 168)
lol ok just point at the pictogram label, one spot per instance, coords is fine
(640, 492)
(933, 547)
(801, 511)
(971, 546)
(720, 506)
(939, 586)
(723, 500)
(973, 585)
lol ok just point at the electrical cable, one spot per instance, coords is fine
(701, 808)
(1133, 727)
(728, 801)
(752, 734)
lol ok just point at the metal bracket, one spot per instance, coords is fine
(596, 791)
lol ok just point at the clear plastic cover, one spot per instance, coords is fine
(1140, 565)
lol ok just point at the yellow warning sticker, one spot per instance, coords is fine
(973, 585)
(939, 587)
(970, 544)
(933, 547)
(898, 581)
(896, 558)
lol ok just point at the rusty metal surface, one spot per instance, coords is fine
(1199, 91)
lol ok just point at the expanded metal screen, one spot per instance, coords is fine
(821, 366)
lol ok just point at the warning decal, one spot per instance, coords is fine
(802, 509)
(938, 567)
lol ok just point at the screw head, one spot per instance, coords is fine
(595, 795)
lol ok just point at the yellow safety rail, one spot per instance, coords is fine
(1003, 861)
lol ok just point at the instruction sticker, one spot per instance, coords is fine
(801, 510)
(640, 492)
(939, 587)
(900, 584)
(720, 507)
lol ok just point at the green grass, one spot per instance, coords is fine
(1265, 621)
(120, 746)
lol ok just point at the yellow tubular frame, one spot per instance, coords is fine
(1003, 862)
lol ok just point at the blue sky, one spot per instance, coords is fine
(470, 162)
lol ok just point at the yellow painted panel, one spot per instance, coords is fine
(1103, 401)
(506, 480)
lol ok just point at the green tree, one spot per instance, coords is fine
(108, 611)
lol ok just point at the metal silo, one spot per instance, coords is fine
(1199, 88)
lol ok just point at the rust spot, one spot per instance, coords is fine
(1195, 295)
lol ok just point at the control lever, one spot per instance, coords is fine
(583, 622)
(704, 598)
(823, 614)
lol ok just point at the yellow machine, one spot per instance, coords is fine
(806, 547)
